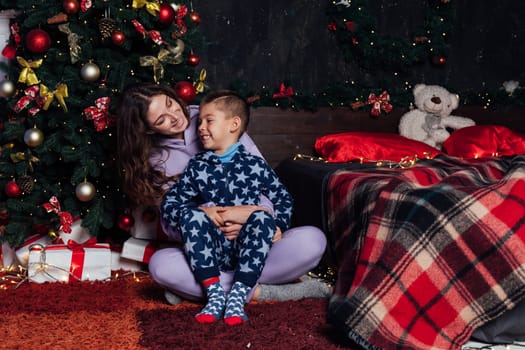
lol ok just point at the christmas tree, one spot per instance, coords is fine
(68, 62)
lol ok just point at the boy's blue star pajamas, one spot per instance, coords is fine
(238, 182)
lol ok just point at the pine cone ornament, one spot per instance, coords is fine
(25, 183)
(107, 26)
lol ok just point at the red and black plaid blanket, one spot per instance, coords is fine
(427, 254)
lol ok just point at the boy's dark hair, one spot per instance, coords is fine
(230, 102)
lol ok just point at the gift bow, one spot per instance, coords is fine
(379, 103)
(60, 93)
(170, 55)
(75, 246)
(21, 156)
(284, 92)
(99, 113)
(199, 85)
(31, 94)
(73, 40)
(66, 219)
(28, 75)
(151, 7)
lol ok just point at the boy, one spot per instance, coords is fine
(225, 174)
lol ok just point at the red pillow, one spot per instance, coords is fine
(480, 141)
(371, 146)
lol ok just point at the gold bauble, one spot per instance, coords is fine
(85, 191)
(90, 72)
(7, 88)
(33, 137)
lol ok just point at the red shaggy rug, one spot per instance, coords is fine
(130, 313)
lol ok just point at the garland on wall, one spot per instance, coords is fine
(354, 26)
(356, 31)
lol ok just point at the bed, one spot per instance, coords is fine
(428, 245)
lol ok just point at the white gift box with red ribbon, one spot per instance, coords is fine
(150, 229)
(88, 261)
(22, 251)
(78, 233)
(142, 250)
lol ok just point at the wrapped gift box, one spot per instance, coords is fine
(149, 229)
(7, 255)
(22, 252)
(120, 263)
(78, 233)
(142, 250)
(88, 261)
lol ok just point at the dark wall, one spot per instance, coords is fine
(265, 42)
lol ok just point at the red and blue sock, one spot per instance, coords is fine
(235, 305)
(216, 302)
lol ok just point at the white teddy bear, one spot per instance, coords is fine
(429, 121)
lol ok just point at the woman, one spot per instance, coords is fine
(156, 134)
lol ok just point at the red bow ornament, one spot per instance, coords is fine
(283, 92)
(85, 5)
(153, 34)
(379, 103)
(10, 50)
(66, 219)
(99, 113)
(31, 94)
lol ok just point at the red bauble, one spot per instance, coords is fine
(118, 37)
(193, 59)
(439, 60)
(38, 41)
(195, 17)
(185, 91)
(166, 14)
(70, 6)
(12, 189)
(125, 221)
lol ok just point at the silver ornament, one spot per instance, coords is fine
(33, 137)
(85, 191)
(90, 72)
(7, 88)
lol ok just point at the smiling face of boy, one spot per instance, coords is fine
(217, 130)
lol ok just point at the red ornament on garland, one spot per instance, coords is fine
(193, 59)
(195, 17)
(12, 189)
(118, 37)
(439, 60)
(38, 41)
(186, 91)
(166, 14)
(71, 6)
(125, 221)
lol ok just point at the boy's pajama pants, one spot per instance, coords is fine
(209, 252)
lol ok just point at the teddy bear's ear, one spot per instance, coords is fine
(418, 88)
(454, 100)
